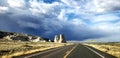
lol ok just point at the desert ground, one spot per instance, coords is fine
(8, 48)
(112, 48)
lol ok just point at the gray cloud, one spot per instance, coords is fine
(48, 19)
(3, 3)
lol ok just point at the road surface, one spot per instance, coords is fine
(71, 51)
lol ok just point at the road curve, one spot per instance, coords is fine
(71, 51)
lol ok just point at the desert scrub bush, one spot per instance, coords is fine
(16, 48)
(3, 52)
(108, 48)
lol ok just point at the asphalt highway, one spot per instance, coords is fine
(71, 51)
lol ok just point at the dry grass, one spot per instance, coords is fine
(110, 48)
(8, 49)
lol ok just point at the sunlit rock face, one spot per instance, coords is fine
(56, 39)
(36, 39)
(60, 39)
(22, 37)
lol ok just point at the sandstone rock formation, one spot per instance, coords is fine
(36, 39)
(22, 37)
(62, 39)
(59, 40)
(56, 39)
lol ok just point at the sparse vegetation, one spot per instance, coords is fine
(12, 48)
(112, 48)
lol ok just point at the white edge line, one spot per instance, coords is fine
(95, 52)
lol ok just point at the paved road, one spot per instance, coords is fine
(72, 51)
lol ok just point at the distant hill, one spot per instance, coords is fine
(22, 37)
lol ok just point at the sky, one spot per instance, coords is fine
(78, 20)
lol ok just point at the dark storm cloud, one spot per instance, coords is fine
(48, 18)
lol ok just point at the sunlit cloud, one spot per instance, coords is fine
(76, 19)
(16, 3)
(3, 9)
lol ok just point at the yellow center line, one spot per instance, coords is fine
(68, 52)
